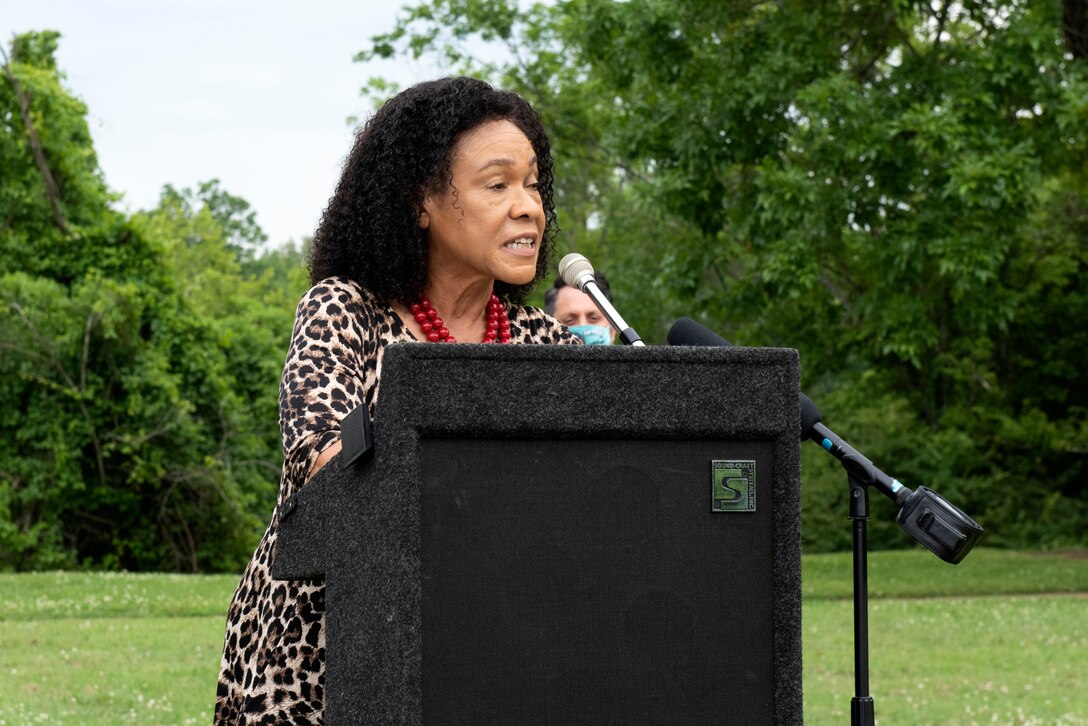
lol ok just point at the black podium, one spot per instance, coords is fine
(563, 535)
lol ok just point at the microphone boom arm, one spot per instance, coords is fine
(936, 523)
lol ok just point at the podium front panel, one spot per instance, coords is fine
(590, 582)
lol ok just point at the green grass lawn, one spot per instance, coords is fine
(1000, 639)
(107, 648)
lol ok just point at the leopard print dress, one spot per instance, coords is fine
(273, 664)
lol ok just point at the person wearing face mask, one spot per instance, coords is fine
(576, 310)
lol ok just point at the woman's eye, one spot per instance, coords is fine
(498, 186)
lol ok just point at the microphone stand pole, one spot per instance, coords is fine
(861, 705)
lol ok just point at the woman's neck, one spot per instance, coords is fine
(459, 304)
(462, 307)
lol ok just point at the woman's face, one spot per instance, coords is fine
(489, 224)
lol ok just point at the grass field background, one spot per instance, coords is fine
(1001, 638)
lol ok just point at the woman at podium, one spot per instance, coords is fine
(441, 223)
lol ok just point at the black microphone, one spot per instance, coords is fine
(686, 331)
(577, 272)
(924, 514)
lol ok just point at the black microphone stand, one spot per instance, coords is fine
(862, 712)
(923, 513)
(927, 516)
(860, 473)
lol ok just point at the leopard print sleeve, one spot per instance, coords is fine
(324, 376)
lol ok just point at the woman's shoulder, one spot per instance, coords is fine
(533, 325)
(336, 297)
(528, 312)
(338, 289)
(339, 307)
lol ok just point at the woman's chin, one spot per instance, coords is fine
(520, 275)
(517, 280)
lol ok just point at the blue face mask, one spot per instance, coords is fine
(593, 334)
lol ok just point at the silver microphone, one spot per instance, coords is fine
(577, 272)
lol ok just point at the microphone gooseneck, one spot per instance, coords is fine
(577, 272)
(686, 331)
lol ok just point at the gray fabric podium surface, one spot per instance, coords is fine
(532, 540)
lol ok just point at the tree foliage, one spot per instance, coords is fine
(139, 356)
(899, 190)
(896, 189)
(237, 222)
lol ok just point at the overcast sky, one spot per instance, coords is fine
(256, 94)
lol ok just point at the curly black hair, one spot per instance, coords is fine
(370, 230)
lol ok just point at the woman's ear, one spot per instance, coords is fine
(421, 212)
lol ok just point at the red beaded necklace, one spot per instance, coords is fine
(498, 324)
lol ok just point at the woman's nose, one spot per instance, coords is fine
(526, 203)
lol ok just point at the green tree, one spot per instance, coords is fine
(233, 215)
(895, 189)
(55, 215)
(139, 360)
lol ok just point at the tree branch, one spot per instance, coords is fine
(54, 359)
(91, 320)
(942, 18)
(838, 293)
(1075, 27)
(51, 189)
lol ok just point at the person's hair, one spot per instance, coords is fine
(370, 230)
(553, 292)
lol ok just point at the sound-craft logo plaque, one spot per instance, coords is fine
(733, 486)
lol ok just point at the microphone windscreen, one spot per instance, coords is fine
(810, 416)
(686, 331)
(574, 266)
